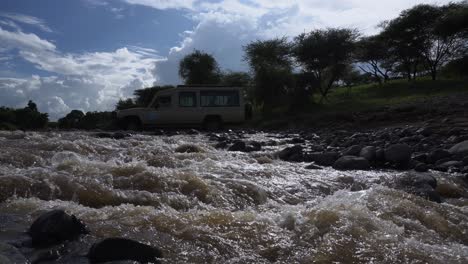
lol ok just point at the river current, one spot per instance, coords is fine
(216, 206)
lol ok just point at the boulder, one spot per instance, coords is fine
(188, 148)
(460, 148)
(323, 159)
(55, 227)
(292, 154)
(120, 249)
(398, 153)
(421, 167)
(352, 151)
(313, 167)
(436, 155)
(419, 184)
(369, 153)
(351, 163)
(237, 146)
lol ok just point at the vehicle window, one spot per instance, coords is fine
(164, 101)
(187, 99)
(219, 98)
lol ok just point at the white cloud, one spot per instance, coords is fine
(225, 26)
(87, 81)
(164, 4)
(30, 20)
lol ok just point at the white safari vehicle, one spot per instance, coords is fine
(209, 106)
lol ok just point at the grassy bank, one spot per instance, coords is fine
(343, 101)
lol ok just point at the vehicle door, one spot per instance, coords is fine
(160, 113)
(187, 110)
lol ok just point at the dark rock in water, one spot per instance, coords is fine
(158, 132)
(436, 155)
(379, 154)
(253, 146)
(421, 158)
(192, 132)
(445, 166)
(238, 146)
(351, 163)
(465, 160)
(398, 153)
(221, 145)
(313, 167)
(460, 148)
(421, 167)
(369, 153)
(292, 154)
(117, 249)
(188, 148)
(116, 135)
(425, 131)
(352, 151)
(55, 227)
(323, 159)
(419, 184)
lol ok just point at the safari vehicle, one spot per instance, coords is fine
(207, 106)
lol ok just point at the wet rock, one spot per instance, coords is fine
(448, 165)
(465, 160)
(117, 135)
(436, 155)
(421, 167)
(119, 249)
(323, 159)
(425, 131)
(158, 132)
(221, 145)
(192, 132)
(313, 167)
(352, 151)
(369, 153)
(419, 184)
(238, 146)
(448, 190)
(398, 153)
(420, 158)
(460, 148)
(55, 227)
(188, 148)
(379, 154)
(292, 154)
(264, 160)
(351, 163)
(253, 146)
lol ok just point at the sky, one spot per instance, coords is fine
(87, 54)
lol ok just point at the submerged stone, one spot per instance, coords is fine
(55, 227)
(118, 249)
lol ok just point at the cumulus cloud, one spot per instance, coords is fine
(87, 81)
(223, 27)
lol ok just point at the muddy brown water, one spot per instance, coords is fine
(215, 206)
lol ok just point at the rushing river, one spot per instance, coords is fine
(215, 206)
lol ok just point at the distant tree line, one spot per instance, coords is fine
(76, 119)
(23, 118)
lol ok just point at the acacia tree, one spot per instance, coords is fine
(373, 52)
(325, 54)
(271, 65)
(446, 35)
(199, 68)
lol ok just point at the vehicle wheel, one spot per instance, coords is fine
(212, 123)
(133, 124)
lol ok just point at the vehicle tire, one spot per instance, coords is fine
(212, 123)
(132, 124)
